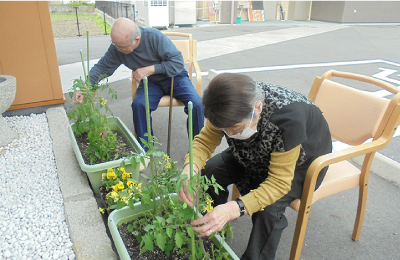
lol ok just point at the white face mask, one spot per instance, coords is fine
(246, 133)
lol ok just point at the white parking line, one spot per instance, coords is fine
(306, 65)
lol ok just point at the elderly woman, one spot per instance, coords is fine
(273, 134)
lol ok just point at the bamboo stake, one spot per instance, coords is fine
(83, 64)
(190, 119)
(87, 50)
(149, 136)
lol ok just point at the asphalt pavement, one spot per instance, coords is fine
(291, 54)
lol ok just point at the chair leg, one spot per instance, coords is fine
(362, 201)
(362, 196)
(299, 233)
(170, 117)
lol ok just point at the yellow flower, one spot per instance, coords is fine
(130, 183)
(119, 186)
(166, 157)
(168, 165)
(139, 185)
(208, 207)
(111, 175)
(114, 195)
(101, 210)
(126, 175)
(103, 101)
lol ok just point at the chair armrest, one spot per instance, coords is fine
(325, 160)
(353, 76)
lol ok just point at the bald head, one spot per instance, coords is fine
(124, 30)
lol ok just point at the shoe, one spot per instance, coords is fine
(144, 167)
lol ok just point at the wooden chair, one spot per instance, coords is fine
(354, 116)
(188, 47)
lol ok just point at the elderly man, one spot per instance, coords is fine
(149, 53)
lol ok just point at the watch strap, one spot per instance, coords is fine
(241, 206)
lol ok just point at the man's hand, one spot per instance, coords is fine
(78, 97)
(184, 194)
(140, 73)
(215, 220)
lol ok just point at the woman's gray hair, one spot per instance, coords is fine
(230, 99)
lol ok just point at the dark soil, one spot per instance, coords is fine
(123, 149)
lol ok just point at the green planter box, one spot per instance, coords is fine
(94, 171)
(125, 215)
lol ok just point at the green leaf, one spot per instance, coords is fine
(170, 231)
(133, 162)
(178, 239)
(148, 228)
(190, 231)
(161, 240)
(160, 220)
(130, 204)
(130, 228)
(148, 243)
(123, 194)
(120, 204)
(170, 219)
(186, 213)
(146, 199)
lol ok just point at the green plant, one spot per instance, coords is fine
(89, 111)
(168, 226)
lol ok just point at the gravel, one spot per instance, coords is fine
(32, 220)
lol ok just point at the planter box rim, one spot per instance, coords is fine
(111, 164)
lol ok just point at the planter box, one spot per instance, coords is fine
(94, 171)
(125, 215)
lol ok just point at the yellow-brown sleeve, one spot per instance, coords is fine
(204, 145)
(277, 184)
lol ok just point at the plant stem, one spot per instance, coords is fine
(149, 136)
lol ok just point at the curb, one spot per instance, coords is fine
(85, 224)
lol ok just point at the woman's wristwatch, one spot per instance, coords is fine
(241, 206)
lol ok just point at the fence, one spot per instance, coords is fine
(117, 9)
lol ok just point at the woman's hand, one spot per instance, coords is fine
(184, 194)
(215, 220)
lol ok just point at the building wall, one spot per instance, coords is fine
(356, 11)
(299, 10)
(28, 53)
